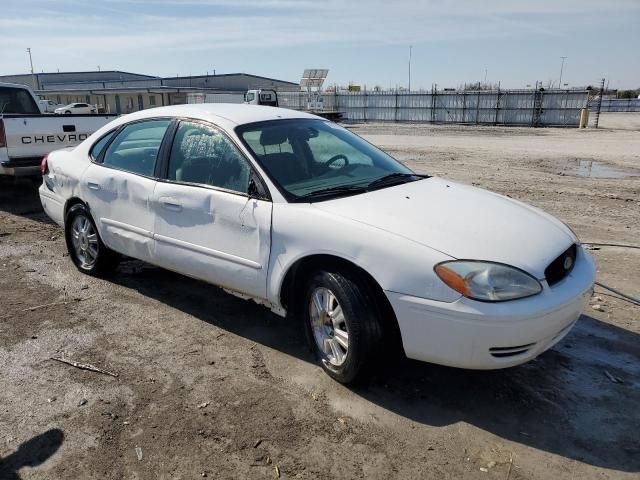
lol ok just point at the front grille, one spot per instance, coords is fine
(561, 266)
(503, 352)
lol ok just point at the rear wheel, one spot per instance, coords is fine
(343, 327)
(84, 244)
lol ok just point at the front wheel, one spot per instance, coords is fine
(84, 244)
(342, 325)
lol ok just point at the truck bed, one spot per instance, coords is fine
(27, 138)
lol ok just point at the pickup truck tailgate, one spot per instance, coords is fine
(30, 137)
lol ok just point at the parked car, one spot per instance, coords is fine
(76, 108)
(303, 216)
(47, 106)
(26, 135)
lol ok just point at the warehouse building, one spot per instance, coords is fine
(125, 92)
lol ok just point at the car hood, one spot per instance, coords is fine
(460, 221)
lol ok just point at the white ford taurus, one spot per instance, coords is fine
(309, 219)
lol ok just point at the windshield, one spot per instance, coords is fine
(309, 158)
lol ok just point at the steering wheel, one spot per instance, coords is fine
(335, 158)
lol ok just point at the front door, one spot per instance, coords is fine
(119, 186)
(206, 224)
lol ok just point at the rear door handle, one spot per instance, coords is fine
(93, 186)
(170, 204)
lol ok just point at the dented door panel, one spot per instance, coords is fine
(120, 204)
(213, 235)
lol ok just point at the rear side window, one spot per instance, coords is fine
(201, 154)
(136, 147)
(17, 100)
(98, 147)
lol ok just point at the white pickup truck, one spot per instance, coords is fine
(27, 135)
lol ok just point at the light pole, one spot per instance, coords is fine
(561, 68)
(33, 77)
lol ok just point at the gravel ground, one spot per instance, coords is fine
(210, 385)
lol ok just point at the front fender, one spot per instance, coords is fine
(396, 263)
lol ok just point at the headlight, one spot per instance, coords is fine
(487, 281)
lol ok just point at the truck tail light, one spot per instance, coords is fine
(44, 168)
(3, 136)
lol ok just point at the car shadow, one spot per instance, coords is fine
(579, 400)
(19, 196)
(32, 453)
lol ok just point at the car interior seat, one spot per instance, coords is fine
(285, 166)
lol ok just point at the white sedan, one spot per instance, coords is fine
(76, 108)
(303, 216)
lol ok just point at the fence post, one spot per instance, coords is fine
(478, 108)
(365, 105)
(495, 118)
(434, 94)
(395, 115)
(533, 104)
(464, 106)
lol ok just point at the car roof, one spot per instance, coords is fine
(235, 113)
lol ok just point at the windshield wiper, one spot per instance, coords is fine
(337, 190)
(393, 179)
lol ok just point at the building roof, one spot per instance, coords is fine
(142, 75)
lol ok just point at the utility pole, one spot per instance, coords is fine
(410, 47)
(561, 69)
(33, 77)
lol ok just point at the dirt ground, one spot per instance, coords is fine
(212, 386)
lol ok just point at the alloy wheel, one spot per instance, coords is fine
(329, 326)
(85, 241)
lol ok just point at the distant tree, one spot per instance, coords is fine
(628, 93)
(475, 86)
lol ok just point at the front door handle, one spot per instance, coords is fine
(170, 204)
(93, 186)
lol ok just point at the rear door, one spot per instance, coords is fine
(119, 185)
(206, 224)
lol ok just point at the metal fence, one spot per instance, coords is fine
(503, 107)
(617, 105)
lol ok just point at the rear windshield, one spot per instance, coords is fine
(17, 100)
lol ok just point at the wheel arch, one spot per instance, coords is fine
(70, 203)
(303, 268)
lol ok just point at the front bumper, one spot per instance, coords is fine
(477, 335)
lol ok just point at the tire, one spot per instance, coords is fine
(88, 253)
(334, 305)
(67, 112)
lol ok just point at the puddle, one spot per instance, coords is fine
(594, 169)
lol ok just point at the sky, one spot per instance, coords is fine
(513, 42)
